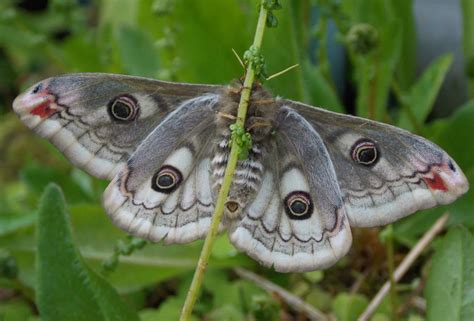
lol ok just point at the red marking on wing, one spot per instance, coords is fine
(43, 110)
(436, 182)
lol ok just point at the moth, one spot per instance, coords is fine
(310, 174)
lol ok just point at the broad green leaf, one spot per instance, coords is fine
(12, 223)
(314, 276)
(222, 248)
(199, 55)
(137, 53)
(406, 66)
(118, 13)
(217, 283)
(81, 53)
(203, 37)
(226, 312)
(380, 317)
(456, 135)
(423, 93)
(408, 230)
(347, 307)
(320, 91)
(15, 311)
(66, 288)
(36, 177)
(450, 287)
(289, 44)
(168, 310)
(264, 308)
(9, 35)
(292, 30)
(319, 298)
(462, 208)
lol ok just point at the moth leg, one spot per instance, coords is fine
(259, 127)
(226, 115)
(260, 124)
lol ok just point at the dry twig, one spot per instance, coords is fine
(292, 300)
(405, 265)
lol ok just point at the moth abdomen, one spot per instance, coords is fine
(247, 176)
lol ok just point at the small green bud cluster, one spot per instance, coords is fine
(362, 38)
(270, 5)
(254, 57)
(242, 139)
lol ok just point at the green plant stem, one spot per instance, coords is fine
(193, 291)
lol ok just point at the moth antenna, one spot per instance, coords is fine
(282, 72)
(238, 58)
(264, 101)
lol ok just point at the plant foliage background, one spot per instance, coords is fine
(61, 260)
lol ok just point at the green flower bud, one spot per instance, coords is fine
(362, 38)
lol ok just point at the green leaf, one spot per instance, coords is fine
(168, 310)
(12, 223)
(137, 53)
(456, 135)
(81, 53)
(408, 230)
(36, 177)
(375, 72)
(226, 312)
(347, 307)
(423, 93)
(380, 317)
(462, 209)
(217, 283)
(320, 91)
(118, 12)
(319, 298)
(265, 308)
(15, 311)
(9, 35)
(222, 248)
(66, 288)
(203, 37)
(406, 66)
(314, 276)
(450, 287)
